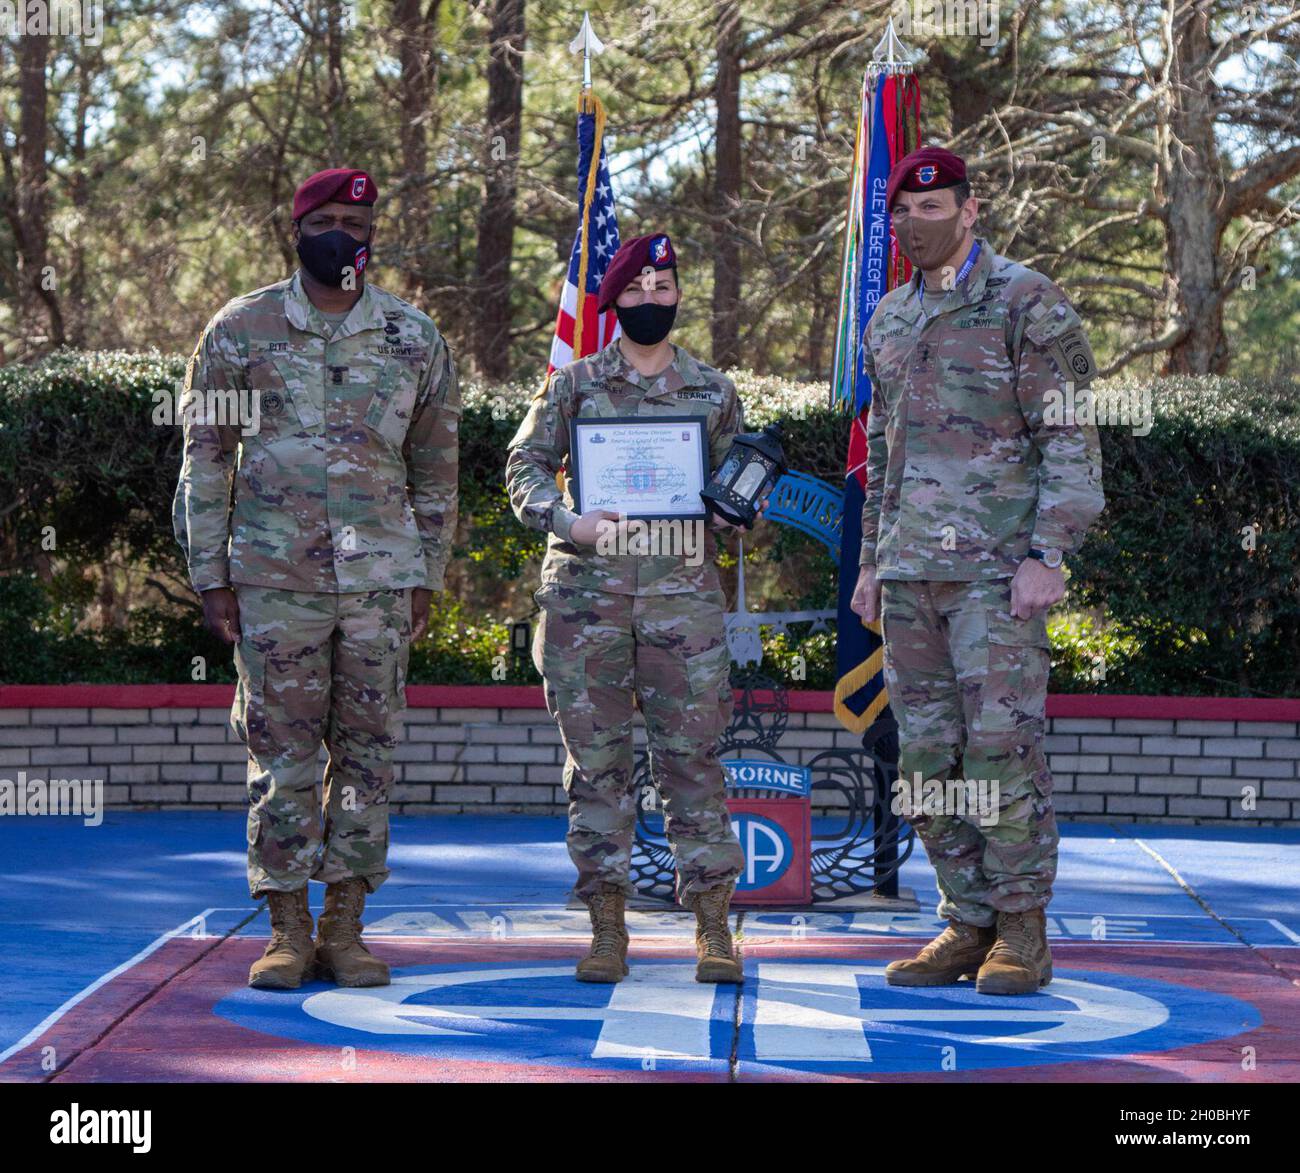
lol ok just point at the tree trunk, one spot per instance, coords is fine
(33, 241)
(416, 37)
(1194, 179)
(335, 91)
(821, 310)
(726, 191)
(80, 189)
(496, 224)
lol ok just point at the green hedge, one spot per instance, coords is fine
(1163, 598)
(1196, 562)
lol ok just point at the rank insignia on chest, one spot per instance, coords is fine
(337, 374)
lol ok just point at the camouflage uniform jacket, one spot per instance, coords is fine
(601, 385)
(973, 452)
(347, 480)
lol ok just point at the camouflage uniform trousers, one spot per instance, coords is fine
(596, 650)
(968, 685)
(319, 667)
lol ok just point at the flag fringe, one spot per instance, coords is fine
(855, 679)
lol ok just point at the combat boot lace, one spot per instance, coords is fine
(1020, 961)
(606, 960)
(715, 953)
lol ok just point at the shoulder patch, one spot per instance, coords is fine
(1063, 337)
(1073, 355)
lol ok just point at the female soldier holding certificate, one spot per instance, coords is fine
(635, 610)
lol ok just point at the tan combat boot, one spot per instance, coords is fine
(957, 952)
(1020, 961)
(341, 958)
(287, 960)
(716, 959)
(606, 960)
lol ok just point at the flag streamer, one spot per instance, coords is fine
(888, 127)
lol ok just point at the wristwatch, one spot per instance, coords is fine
(1051, 557)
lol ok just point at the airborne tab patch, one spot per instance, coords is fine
(1074, 356)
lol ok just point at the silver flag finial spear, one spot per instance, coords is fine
(586, 43)
(890, 54)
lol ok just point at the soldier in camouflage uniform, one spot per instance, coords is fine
(619, 629)
(315, 537)
(979, 481)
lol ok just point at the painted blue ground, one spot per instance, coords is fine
(77, 901)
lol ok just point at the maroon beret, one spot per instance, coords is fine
(928, 169)
(343, 185)
(642, 252)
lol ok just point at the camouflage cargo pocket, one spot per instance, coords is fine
(250, 664)
(708, 680)
(706, 671)
(567, 699)
(1015, 685)
(401, 666)
(539, 632)
(254, 833)
(277, 409)
(391, 406)
(564, 675)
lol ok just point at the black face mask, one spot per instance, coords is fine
(328, 254)
(646, 324)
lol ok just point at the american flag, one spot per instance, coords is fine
(594, 246)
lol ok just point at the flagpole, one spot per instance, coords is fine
(890, 55)
(882, 135)
(588, 44)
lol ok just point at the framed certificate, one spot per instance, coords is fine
(640, 465)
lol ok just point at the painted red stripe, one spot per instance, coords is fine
(215, 696)
(1202, 708)
(525, 696)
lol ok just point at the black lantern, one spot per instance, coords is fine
(754, 464)
(521, 638)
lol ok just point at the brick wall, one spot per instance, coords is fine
(1177, 768)
(1169, 759)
